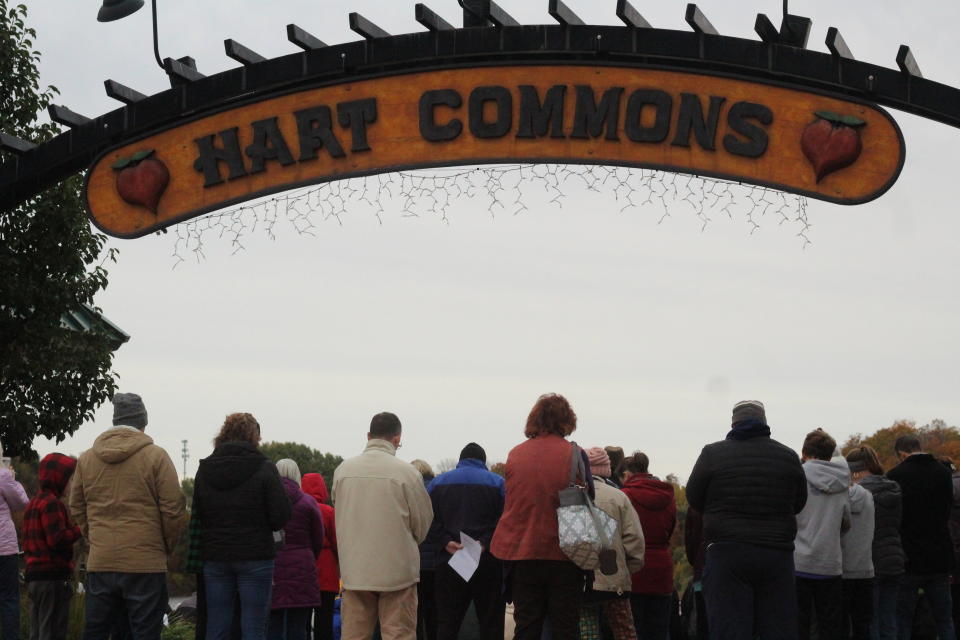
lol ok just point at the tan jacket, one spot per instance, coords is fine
(383, 514)
(629, 546)
(126, 498)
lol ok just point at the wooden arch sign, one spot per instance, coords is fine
(799, 141)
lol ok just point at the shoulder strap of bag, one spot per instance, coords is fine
(578, 469)
(576, 465)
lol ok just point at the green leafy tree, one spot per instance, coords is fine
(51, 378)
(309, 460)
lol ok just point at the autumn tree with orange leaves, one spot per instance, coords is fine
(936, 438)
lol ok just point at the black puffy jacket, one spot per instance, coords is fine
(241, 502)
(927, 500)
(888, 555)
(748, 491)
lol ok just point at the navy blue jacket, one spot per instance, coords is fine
(469, 499)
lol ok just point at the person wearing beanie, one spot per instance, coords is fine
(600, 466)
(749, 488)
(124, 472)
(468, 499)
(610, 594)
(48, 537)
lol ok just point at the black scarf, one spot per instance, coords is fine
(748, 429)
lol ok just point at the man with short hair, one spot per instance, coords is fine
(383, 514)
(126, 499)
(468, 499)
(818, 556)
(924, 530)
(749, 489)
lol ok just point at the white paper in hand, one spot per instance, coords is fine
(466, 560)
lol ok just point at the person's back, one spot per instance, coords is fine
(755, 489)
(924, 531)
(48, 539)
(383, 514)
(126, 499)
(749, 488)
(468, 499)
(12, 499)
(328, 570)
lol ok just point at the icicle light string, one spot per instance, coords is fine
(506, 189)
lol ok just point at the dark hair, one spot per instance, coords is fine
(866, 455)
(637, 463)
(238, 427)
(551, 414)
(385, 425)
(616, 457)
(907, 444)
(819, 445)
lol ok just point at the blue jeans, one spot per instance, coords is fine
(885, 592)
(10, 597)
(936, 587)
(252, 581)
(112, 597)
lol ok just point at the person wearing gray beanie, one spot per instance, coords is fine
(125, 496)
(129, 411)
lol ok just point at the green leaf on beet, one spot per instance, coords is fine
(852, 121)
(829, 115)
(121, 163)
(140, 155)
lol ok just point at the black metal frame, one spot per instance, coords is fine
(27, 169)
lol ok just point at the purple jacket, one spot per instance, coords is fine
(295, 582)
(12, 498)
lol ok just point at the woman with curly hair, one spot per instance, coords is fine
(546, 584)
(240, 502)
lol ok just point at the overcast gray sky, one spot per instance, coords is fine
(651, 330)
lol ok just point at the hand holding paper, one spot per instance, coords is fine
(466, 560)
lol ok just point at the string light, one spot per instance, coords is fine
(506, 189)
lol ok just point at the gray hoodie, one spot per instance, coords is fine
(857, 542)
(817, 546)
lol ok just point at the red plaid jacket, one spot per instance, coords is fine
(48, 533)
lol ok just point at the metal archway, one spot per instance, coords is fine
(490, 37)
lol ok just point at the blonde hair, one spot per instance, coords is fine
(289, 469)
(423, 467)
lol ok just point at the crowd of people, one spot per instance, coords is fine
(783, 546)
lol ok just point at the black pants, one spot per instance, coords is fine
(545, 589)
(823, 597)
(453, 597)
(323, 616)
(426, 606)
(142, 597)
(749, 591)
(857, 608)
(49, 608)
(10, 597)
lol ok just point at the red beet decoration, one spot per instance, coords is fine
(832, 142)
(142, 180)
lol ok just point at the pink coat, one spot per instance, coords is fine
(12, 499)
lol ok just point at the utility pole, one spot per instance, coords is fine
(186, 456)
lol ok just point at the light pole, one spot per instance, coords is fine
(186, 456)
(117, 9)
